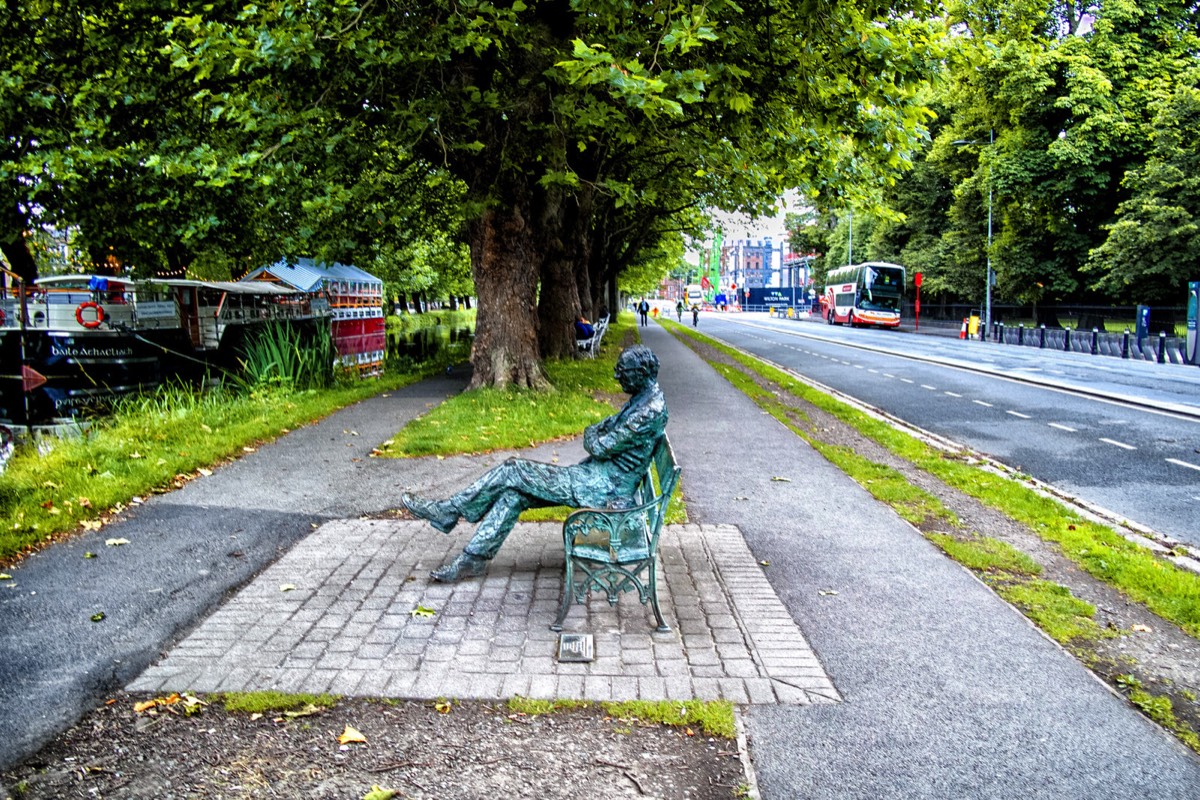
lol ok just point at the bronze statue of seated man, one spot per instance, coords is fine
(620, 448)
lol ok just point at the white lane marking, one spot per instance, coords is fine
(1177, 462)
(981, 403)
(1066, 428)
(1115, 443)
(906, 380)
(1018, 414)
(858, 366)
(873, 371)
(888, 375)
(927, 386)
(952, 394)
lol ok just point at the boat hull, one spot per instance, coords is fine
(54, 377)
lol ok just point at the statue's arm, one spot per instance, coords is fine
(616, 434)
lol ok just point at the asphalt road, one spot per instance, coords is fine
(1037, 411)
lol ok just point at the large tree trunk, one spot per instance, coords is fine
(12, 244)
(506, 347)
(558, 300)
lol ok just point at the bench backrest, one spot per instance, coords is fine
(665, 469)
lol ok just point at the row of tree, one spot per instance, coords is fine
(1077, 125)
(555, 146)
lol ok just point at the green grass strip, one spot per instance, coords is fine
(144, 445)
(269, 701)
(1135, 571)
(493, 419)
(714, 717)
(984, 554)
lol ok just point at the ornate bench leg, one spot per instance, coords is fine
(568, 591)
(663, 627)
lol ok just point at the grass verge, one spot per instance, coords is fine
(150, 444)
(267, 701)
(714, 717)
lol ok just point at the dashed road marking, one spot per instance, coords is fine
(1189, 465)
(982, 403)
(1062, 427)
(1018, 414)
(906, 380)
(952, 394)
(927, 386)
(888, 375)
(1115, 443)
(859, 366)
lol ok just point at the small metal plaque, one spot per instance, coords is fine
(575, 647)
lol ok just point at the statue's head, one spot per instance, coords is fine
(637, 368)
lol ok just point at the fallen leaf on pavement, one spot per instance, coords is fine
(781, 478)
(98, 617)
(442, 707)
(204, 472)
(422, 611)
(824, 592)
(1143, 629)
(351, 735)
(379, 793)
(116, 542)
(4, 576)
(287, 587)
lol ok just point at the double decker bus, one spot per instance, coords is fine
(864, 294)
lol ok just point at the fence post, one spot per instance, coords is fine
(1095, 341)
(1125, 344)
(1000, 333)
(1042, 337)
(1066, 340)
(1162, 346)
(1021, 334)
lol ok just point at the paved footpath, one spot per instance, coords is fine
(868, 664)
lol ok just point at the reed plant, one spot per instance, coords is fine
(285, 355)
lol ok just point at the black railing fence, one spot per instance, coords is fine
(1166, 319)
(1161, 347)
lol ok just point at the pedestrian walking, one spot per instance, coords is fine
(643, 310)
(695, 316)
(679, 310)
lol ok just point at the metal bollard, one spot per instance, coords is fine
(1125, 344)
(1066, 340)
(1162, 346)
(1095, 341)
(1021, 334)
(1042, 337)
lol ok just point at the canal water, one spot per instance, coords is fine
(441, 344)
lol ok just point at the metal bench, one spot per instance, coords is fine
(616, 550)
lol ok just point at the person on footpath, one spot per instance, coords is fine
(679, 310)
(695, 316)
(620, 449)
(643, 310)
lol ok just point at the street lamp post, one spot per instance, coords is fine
(987, 309)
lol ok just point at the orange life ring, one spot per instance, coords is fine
(93, 323)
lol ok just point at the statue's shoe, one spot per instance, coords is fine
(439, 513)
(464, 565)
